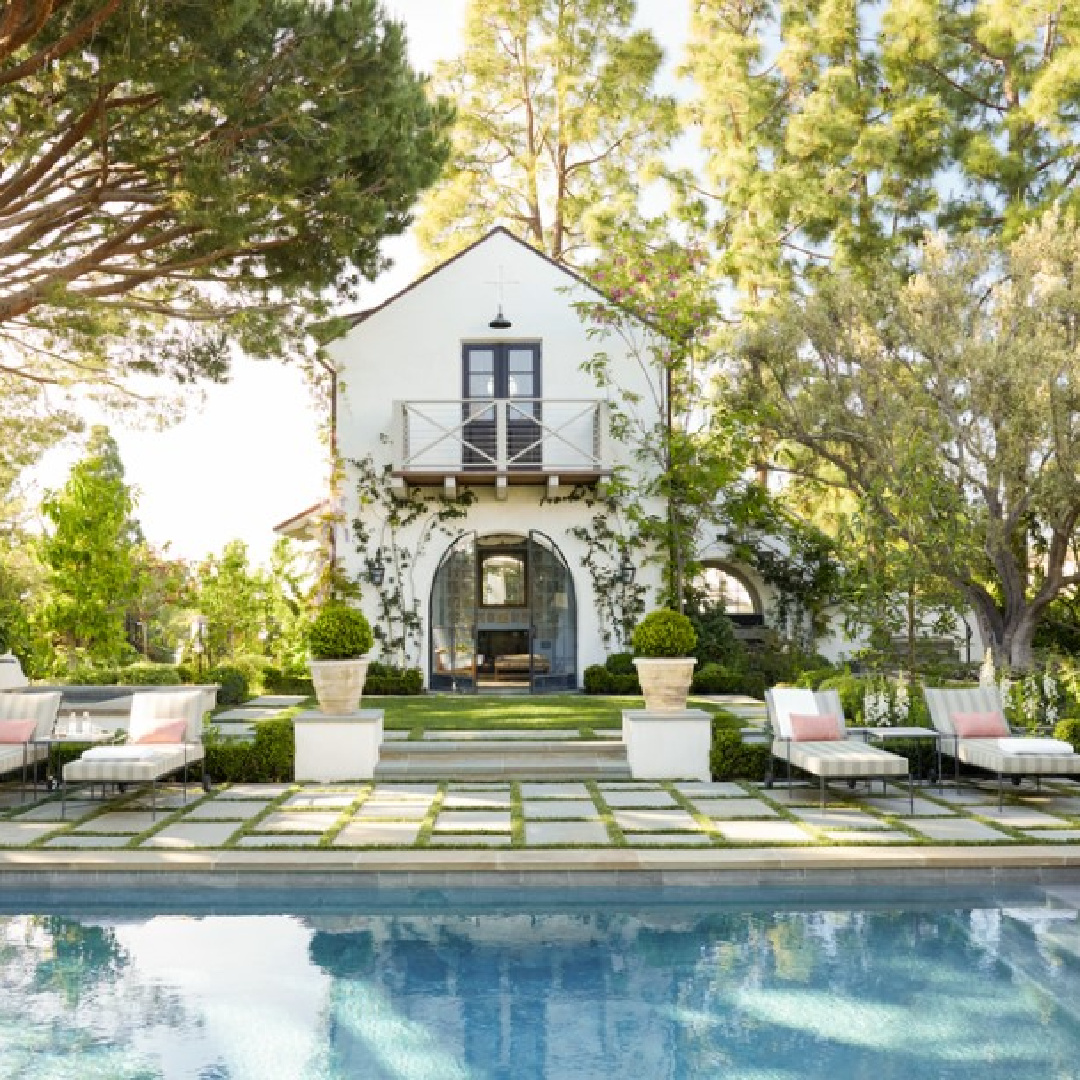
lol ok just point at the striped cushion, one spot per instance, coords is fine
(11, 756)
(847, 759)
(988, 754)
(151, 763)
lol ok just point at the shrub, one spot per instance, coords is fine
(711, 679)
(597, 679)
(339, 632)
(388, 679)
(267, 759)
(89, 675)
(732, 759)
(852, 690)
(1068, 730)
(232, 682)
(621, 663)
(147, 674)
(716, 640)
(664, 633)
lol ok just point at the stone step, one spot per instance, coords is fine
(498, 759)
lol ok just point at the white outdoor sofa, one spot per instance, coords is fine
(1013, 755)
(138, 762)
(840, 758)
(41, 707)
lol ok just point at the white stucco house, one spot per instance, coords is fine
(474, 449)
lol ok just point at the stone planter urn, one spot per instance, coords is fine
(665, 681)
(339, 684)
(338, 639)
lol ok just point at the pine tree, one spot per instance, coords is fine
(89, 553)
(557, 116)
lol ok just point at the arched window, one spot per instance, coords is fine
(723, 586)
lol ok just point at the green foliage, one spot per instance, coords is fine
(557, 115)
(621, 663)
(88, 675)
(232, 681)
(732, 759)
(852, 690)
(247, 160)
(599, 679)
(267, 759)
(388, 679)
(147, 674)
(89, 554)
(1068, 730)
(664, 633)
(339, 632)
(716, 640)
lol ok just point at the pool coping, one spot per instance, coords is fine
(729, 867)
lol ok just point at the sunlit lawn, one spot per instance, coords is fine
(527, 711)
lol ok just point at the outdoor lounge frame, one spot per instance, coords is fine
(989, 754)
(845, 759)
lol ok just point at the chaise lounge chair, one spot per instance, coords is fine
(24, 717)
(974, 731)
(809, 733)
(164, 736)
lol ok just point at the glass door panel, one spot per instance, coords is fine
(453, 658)
(553, 616)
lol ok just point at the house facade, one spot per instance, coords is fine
(475, 449)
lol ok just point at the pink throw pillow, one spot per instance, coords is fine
(168, 731)
(17, 731)
(980, 725)
(813, 728)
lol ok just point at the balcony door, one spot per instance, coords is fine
(506, 375)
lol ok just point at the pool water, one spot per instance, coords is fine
(628, 986)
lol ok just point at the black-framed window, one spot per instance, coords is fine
(501, 370)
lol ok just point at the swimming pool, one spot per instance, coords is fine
(599, 985)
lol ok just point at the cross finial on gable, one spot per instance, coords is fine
(500, 322)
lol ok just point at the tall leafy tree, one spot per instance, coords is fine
(89, 553)
(179, 175)
(557, 114)
(949, 403)
(231, 596)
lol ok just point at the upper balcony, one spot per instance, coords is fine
(500, 441)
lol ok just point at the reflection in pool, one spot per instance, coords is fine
(591, 989)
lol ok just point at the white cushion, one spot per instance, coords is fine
(139, 752)
(1019, 744)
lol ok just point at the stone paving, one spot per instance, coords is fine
(535, 814)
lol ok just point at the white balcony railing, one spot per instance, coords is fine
(541, 436)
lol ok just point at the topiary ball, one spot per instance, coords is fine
(664, 633)
(339, 632)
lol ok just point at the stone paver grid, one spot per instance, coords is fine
(956, 829)
(639, 798)
(298, 821)
(542, 833)
(197, 834)
(839, 818)
(388, 811)
(558, 808)
(720, 789)
(901, 807)
(21, 833)
(868, 836)
(121, 821)
(279, 840)
(470, 840)
(1059, 835)
(227, 810)
(734, 808)
(253, 791)
(71, 840)
(322, 800)
(473, 820)
(400, 792)
(478, 801)
(554, 791)
(686, 839)
(655, 820)
(1020, 817)
(50, 811)
(763, 832)
(378, 834)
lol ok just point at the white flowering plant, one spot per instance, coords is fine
(887, 703)
(1032, 701)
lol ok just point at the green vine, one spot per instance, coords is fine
(380, 537)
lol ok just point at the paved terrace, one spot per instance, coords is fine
(562, 832)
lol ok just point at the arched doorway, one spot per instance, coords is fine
(503, 615)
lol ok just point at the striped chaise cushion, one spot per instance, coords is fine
(988, 754)
(138, 765)
(847, 759)
(11, 756)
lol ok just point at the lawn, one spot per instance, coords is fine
(475, 712)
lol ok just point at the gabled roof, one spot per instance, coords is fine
(359, 316)
(300, 521)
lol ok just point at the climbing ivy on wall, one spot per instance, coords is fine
(391, 518)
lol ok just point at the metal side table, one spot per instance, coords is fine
(882, 735)
(61, 738)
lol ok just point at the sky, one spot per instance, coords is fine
(248, 455)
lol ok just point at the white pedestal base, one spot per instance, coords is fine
(345, 747)
(667, 745)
